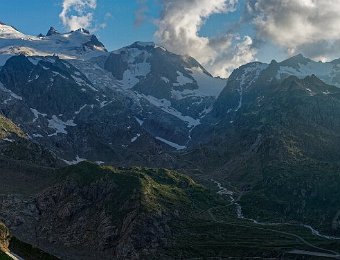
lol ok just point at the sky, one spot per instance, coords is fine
(220, 34)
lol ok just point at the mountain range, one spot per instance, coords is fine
(184, 164)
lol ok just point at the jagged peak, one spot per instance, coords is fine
(52, 31)
(336, 61)
(82, 30)
(309, 78)
(145, 45)
(95, 43)
(314, 78)
(298, 56)
(140, 44)
(294, 60)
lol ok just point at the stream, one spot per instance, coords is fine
(225, 192)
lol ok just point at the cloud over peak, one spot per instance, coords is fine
(178, 30)
(77, 13)
(309, 26)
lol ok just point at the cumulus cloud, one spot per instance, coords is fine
(77, 13)
(308, 26)
(178, 31)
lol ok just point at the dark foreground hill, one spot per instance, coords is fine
(88, 211)
(267, 139)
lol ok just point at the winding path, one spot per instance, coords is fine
(326, 252)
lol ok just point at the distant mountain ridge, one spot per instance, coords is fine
(70, 45)
(163, 95)
(269, 134)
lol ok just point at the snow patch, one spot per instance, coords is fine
(248, 76)
(173, 145)
(321, 70)
(34, 60)
(55, 73)
(99, 162)
(207, 85)
(165, 105)
(37, 135)
(139, 121)
(12, 95)
(138, 67)
(104, 103)
(76, 161)
(59, 125)
(66, 46)
(182, 80)
(310, 92)
(134, 139)
(36, 114)
(81, 82)
(166, 80)
(80, 109)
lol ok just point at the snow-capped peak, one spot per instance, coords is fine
(79, 44)
(82, 30)
(145, 45)
(295, 61)
(302, 67)
(7, 31)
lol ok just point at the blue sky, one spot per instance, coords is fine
(204, 29)
(36, 16)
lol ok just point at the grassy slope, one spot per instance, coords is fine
(306, 192)
(202, 224)
(157, 189)
(217, 232)
(7, 127)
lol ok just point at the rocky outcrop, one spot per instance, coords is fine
(52, 31)
(4, 237)
(85, 216)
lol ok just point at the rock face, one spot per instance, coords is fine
(72, 96)
(271, 130)
(4, 237)
(84, 109)
(52, 31)
(75, 44)
(15, 145)
(99, 212)
(278, 139)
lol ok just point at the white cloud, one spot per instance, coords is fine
(308, 26)
(178, 31)
(77, 13)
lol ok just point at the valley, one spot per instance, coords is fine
(140, 153)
